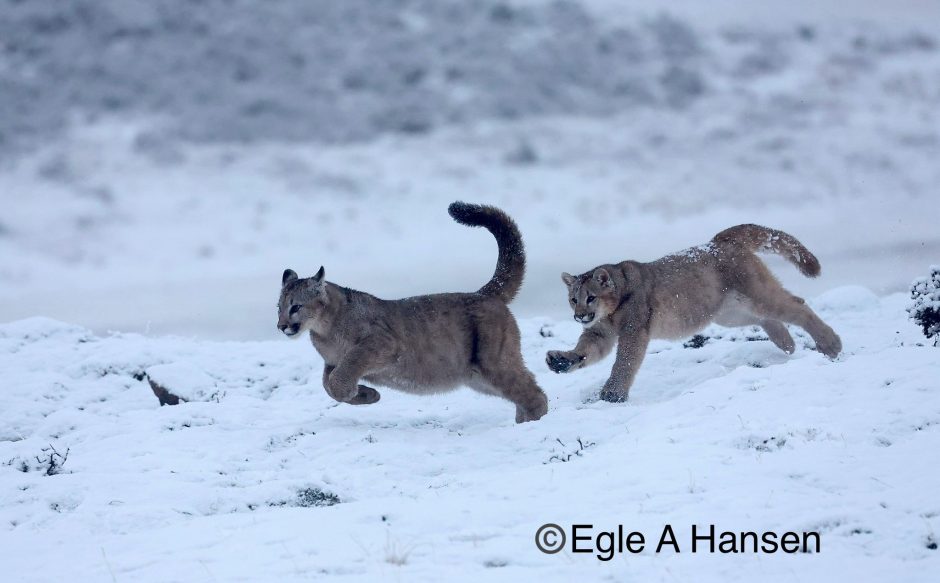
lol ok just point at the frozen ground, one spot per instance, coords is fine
(245, 485)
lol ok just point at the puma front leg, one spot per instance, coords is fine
(327, 370)
(631, 350)
(594, 344)
(342, 381)
(364, 395)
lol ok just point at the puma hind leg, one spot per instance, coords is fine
(518, 386)
(779, 335)
(501, 371)
(795, 311)
(743, 315)
(771, 302)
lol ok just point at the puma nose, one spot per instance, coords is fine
(293, 328)
(584, 318)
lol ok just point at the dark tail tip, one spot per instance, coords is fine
(463, 212)
(510, 263)
(809, 265)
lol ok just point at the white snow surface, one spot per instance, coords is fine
(735, 434)
(186, 380)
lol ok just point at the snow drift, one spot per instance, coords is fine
(272, 479)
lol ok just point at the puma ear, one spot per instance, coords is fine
(567, 278)
(315, 283)
(602, 277)
(289, 276)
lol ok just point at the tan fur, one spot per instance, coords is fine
(424, 344)
(630, 303)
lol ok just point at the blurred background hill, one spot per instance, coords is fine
(162, 162)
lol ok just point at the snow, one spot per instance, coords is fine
(184, 380)
(735, 434)
(198, 248)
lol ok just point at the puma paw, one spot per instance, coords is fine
(340, 391)
(365, 396)
(829, 344)
(613, 395)
(534, 411)
(563, 361)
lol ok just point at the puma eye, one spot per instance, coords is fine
(293, 309)
(574, 300)
(590, 299)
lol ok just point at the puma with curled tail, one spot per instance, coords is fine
(627, 304)
(423, 344)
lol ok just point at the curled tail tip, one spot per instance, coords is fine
(510, 263)
(760, 239)
(462, 211)
(809, 266)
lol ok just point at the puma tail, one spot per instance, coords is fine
(510, 264)
(758, 239)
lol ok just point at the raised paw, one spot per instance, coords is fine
(365, 396)
(563, 361)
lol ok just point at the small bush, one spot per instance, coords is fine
(50, 461)
(925, 304)
(308, 498)
(567, 456)
(696, 341)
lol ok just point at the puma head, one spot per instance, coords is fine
(301, 302)
(592, 295)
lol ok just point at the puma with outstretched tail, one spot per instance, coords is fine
(627, 304)
(423, 344)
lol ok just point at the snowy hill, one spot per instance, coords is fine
(197, 248)
(269, 479)
(150, 151)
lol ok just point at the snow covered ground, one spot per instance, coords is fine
(268, 479)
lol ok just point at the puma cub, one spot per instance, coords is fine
(723, 281)
(424, 344)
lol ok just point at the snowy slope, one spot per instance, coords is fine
(184, 159)
(121, 242)
(242, 486)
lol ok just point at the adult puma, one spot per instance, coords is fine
(423, 344)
